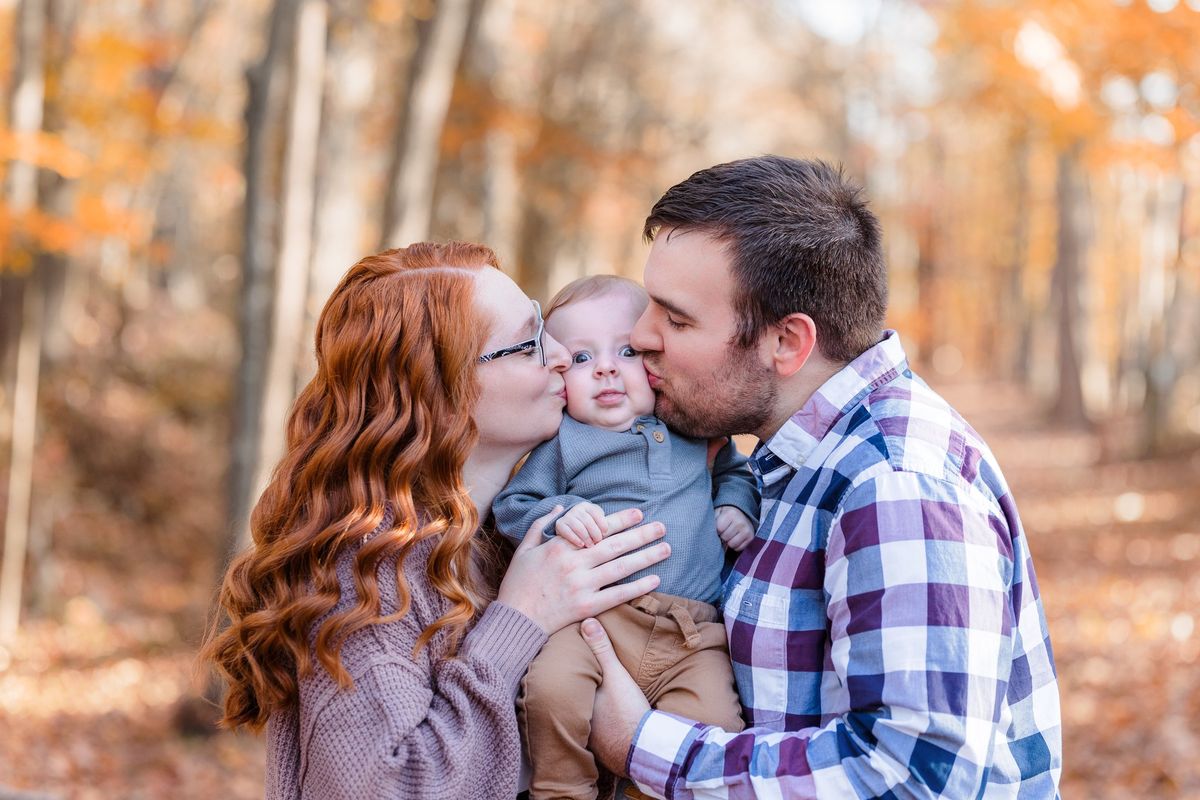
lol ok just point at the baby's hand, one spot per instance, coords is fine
(735, 528)
(583, 525)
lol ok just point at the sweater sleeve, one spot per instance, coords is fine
(733, 483)
(539, 485)
(403, 732)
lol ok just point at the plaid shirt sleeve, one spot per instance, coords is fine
(918, 579)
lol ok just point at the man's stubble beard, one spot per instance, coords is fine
(738, 397)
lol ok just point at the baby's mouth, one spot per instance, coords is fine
(610, 397)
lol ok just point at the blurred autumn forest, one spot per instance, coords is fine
(184, 182)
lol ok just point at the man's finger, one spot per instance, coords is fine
(533, 537)
(597, 639)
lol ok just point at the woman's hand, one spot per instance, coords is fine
(556, 584)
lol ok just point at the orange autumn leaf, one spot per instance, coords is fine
(45, 150)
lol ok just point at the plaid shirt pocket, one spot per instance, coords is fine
(761, 624)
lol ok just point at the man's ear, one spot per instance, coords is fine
(793, 340)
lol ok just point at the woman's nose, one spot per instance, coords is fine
(557, 357)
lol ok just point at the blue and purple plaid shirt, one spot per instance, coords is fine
(885, 626)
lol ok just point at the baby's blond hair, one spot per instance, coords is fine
(596, 286)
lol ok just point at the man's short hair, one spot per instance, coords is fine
(800, 239)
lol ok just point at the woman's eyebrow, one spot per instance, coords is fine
(526, 331)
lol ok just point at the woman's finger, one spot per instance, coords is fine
(620, 520)
(620, 543)
(625, 566)
(533, 537)
(614, 596)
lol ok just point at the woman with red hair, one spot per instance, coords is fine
(367, 627)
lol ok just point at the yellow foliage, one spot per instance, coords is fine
(44, 150)
(22, 235)
(98, 218)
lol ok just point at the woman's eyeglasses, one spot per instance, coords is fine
(522, 347)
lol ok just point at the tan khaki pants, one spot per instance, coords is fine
(673, 647)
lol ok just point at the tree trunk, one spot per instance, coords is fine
(1069, 407)
(265, 104)
(1018, 307)
(55, 282)
(20, 474)
(26, 105)
(292, 267)
(1164, 357)
(501, 182)
(408, 207)
(341, 202)
(25, 115)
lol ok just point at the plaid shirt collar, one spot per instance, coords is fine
(791, 445)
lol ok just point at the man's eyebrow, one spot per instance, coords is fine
(671, 307)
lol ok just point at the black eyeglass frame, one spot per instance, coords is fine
(525, 346)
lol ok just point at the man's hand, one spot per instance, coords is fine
(735, 528)
(620, 704)
(583, 525)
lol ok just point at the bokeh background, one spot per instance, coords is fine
(183, 183)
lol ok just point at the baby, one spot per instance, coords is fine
(612, 453)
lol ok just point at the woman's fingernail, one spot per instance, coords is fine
(590, 628)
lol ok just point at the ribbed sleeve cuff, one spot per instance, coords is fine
(507, 640)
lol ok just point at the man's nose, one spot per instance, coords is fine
(643, 338)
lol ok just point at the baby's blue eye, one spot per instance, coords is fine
(628, 352)
(580, 357)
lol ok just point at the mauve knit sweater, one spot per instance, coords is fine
(423, 727)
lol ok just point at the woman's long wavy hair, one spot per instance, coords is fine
(382, 430)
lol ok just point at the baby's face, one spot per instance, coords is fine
(606, 382)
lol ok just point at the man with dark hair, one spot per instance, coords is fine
(885, 626)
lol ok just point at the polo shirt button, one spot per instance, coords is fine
(658, 436)
(641, 428)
